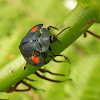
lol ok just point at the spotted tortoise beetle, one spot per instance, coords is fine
(37, 41)
(33, 47)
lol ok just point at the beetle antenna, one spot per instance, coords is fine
(62, 31)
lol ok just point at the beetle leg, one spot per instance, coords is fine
(52, 56)
(51, 50)
(93, 34)
(25, 66)
(49, 28)
(66, 58)
(44, 70)
(57, 61)
(57, 81)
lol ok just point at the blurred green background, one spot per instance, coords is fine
(17, 17)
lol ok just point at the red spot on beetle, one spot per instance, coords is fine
(35, 59)
(34, 29)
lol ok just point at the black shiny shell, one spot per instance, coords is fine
(33, 42)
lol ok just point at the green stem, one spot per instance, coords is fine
(79, 20)
(13, 73)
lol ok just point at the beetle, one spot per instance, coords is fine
(37, 41)
(33, 47)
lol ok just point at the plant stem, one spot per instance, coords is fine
(79, 20)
